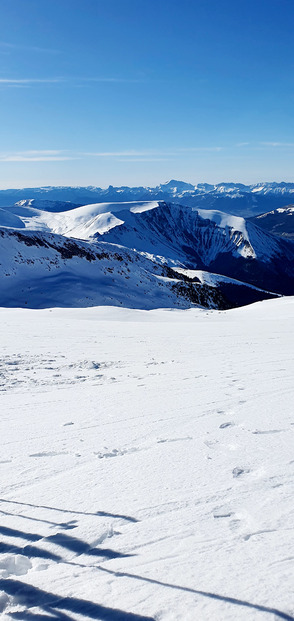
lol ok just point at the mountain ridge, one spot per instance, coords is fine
(172, 255)
(43, 270)
(278, 222)
(235, 198)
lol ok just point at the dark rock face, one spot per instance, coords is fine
(182, 235)
(45, 269)
(278, 222)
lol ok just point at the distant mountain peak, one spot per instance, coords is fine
(230, 197)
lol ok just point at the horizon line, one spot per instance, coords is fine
(43, 186)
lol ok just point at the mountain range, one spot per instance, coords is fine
(234, 198)
(140, 254)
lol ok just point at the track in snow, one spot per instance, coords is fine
(147, 464)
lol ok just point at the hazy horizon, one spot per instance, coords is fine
(147, 185)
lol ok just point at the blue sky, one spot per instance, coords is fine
(136, 92)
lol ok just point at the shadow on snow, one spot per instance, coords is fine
(73, 544)
(223, 598)
(51, 604)
(30, 597)
(98, 513)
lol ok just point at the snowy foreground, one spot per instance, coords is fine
(147, 462)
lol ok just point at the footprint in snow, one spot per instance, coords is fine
(268, 431)
(237, 472)
(162, 441)
(115, 452)
(222, 512)
(48, 454)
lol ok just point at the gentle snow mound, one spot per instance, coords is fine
(9, 220)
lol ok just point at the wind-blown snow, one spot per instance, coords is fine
(224, 220)
(84, 222)
(147, 464)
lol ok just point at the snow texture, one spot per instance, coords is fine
(147, 464)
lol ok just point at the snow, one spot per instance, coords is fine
(223, 233)
(259, 188)
(286, 210)
(147, 464)
(84, 222)
(42, 270)
(8, 219)
(211, 279)
(224, 220)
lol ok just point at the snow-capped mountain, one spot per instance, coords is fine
(178, 236)
(40, 270)
(279, 222)
(43, 256)
(202, 239)
(136, 255)
(234, 198)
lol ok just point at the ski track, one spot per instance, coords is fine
(147, 464)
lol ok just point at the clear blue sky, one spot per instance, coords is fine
(131, 92)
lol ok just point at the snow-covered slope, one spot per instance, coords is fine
(177, 232)
(177, 235)
(160, 226)
(40, 270)
(80, 222)
(279, 222)
(45, 205)
(10, 220)
(211, 241)
(147, 464)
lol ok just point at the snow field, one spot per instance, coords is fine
(147, 464)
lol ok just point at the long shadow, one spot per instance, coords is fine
(29, 551)
(78, 546)
(81, 547)
(11, 532)
(66, 525)
(30, 597)
(117, 515)
(98, 513)
(222, 598)
(31, 616)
